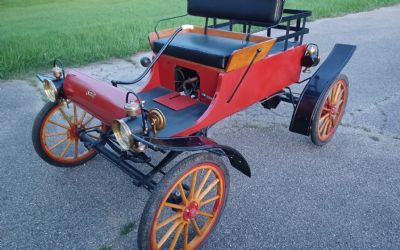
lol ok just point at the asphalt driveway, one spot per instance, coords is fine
(344, 195)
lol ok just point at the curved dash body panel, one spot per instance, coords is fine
(264, 78)
(98, 98)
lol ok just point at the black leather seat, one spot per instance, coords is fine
(212, 50)
(209, 50)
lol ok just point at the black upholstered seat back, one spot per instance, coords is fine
(251, 11)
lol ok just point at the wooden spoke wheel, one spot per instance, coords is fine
(55, 134)
(330, 112)
(186, 204)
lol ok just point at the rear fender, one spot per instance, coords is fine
(197, 143)
(317, 87)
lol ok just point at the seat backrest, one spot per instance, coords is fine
(268, 12)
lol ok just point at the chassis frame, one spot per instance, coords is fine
(171, 147)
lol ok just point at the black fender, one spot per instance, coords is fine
(197, 143)
(317, 87)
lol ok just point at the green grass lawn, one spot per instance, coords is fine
(33, 32)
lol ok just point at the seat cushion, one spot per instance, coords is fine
(266, 12)
(213, 51)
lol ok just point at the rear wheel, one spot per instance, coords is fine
(186, 204)
(330, 112)
(55, 134)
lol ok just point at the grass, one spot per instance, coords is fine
(375, 138)
(126, 229)
(33, 32)
(105, 248)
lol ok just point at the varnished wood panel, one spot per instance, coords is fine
(243, 57)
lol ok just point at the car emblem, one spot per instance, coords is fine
(91, 93)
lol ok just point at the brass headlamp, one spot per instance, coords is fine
(125, 128)
(53, 86)
(124, 135)
(50, 90)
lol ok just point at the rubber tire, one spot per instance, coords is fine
(161, 189)
(36, 129)
(315, 122)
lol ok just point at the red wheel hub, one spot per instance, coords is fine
(191, 211)
(333, 110)
(72, 132)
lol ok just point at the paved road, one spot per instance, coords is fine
(344, 195)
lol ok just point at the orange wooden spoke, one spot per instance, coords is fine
(324, 117)
(56, 134)
(320, 128)
(65, 116)
(176, 237)
(82, 118)
(203, 203)
(332, 122)
(328, 100)
(58, 124)
(332, 94)
(193, 186)
(203, 182)
(196, 227)
(326, 127)
(337, 94)
(330, 97)
(183, 195)
(66, 148)
(208, 189)
(206, 214)
(325, 109)
(338, 87)
(168, 220)
(331, 125)
(58, 143)
(339, 97)
(168, 233)
(322, 133)
(324, 124)
(176, 206)
(186, 237)
(76, 152)
(75, 115)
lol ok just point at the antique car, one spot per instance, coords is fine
(196, 77)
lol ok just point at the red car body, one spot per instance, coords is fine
(266, 77)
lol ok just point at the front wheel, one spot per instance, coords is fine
(186, 204)
(55, 134)
(330, 111)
